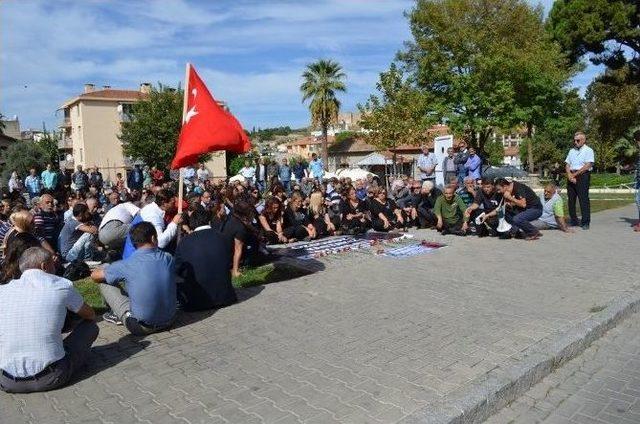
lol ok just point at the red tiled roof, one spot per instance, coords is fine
(114, 94)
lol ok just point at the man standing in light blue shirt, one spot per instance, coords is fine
(284, 174)
(579, 164)
(427, 163)
(473, 165)
(316, 167)
(49, 178)
(32, 184)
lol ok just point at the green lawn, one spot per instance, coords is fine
(603, 201)
(250, 277)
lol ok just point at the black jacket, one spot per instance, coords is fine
(203, 268)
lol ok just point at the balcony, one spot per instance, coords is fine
(65, 143)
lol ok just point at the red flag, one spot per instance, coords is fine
(206, 126)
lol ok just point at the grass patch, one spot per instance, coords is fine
(267, 274)
(91, 294)
(250, 277)
(603, 201)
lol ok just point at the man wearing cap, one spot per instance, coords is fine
(579, 164)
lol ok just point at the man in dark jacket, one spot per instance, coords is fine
(203, 267)
(136, 178)
(460, 159)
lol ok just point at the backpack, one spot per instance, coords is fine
(76, 270)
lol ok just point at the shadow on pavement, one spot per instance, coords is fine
(109, 355)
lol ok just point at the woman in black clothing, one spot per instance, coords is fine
(355, 216)
(319, 215)
(270, 221)
(242, 236)
(385, 214)
(295, 224)
(425, 202)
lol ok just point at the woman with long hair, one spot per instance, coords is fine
(385, 214)
(319, 215)
(242, 236)
(295, 223)
(19, 244)
(354, 213)
(270, 221)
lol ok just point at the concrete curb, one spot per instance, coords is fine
(487, 394)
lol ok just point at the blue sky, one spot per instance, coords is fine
(250, 53)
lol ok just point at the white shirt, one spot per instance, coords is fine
(124, 212)
(153, 214)
(427, 161)
(576, 158)
(33, 311)
(203, 174)
(248, 172)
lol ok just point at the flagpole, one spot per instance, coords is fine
(184, 114)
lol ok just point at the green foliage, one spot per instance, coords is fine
(49, 144)
(494, 151)
(486, 64)
(612, 108)
(399, 114)
(322, 80)
(2, 125)
(600, 28)
(346, 136)
(268, 134)
(152, 133)
(627, 147)
(545, 153)
(21, 157)
(236, 162)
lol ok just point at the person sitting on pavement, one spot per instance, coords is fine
(468, 191)
(242, 237)
(115, 225)
(203, 267)
(46, 221)
(553, 216)
(425, 202)
(10, 263)
(355, 216)
(21, 221)
(484, 209)
(165, 201)
(523, 206)
(295, 223)
(140, 290)
(385, 213)
(318, 216)
(34, 357)
(77, 240)
(270, 220)
(449, 210)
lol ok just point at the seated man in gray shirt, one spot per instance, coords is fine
(33, 355)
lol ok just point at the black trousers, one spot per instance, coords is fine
(580, 190)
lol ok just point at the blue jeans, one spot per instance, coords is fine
(287, 186)
(83, 249)
(522, 221)
(260, 185)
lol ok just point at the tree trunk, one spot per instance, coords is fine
(325, 147)
(530, 147)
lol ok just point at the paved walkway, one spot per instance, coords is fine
(598, 387)
(369, 339)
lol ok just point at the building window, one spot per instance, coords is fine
(78, 110)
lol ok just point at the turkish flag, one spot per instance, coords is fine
(206, 126)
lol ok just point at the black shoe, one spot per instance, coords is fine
(585, 226)
(112, 318)
(444, 232)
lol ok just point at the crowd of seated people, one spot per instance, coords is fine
(153, 261)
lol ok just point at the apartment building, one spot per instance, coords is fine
(90, 127)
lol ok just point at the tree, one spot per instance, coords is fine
(321, 81)
(612, 107)
(494, 153)
(2, 126)
(399, 114)
(607, 30)
(21, 157)
(151, 135)
(486, 63)
(49, 145)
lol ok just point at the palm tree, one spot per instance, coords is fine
(322, 79)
